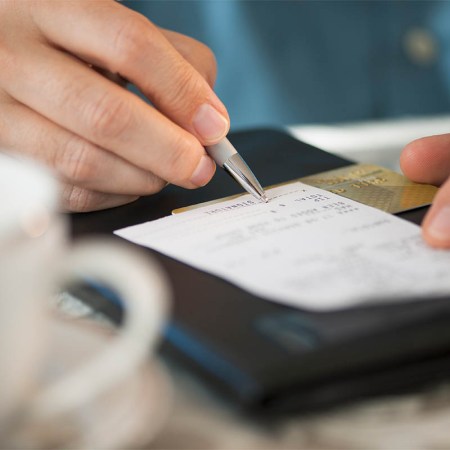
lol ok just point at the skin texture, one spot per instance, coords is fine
(62, 101)
(427, 160)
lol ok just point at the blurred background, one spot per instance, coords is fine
(292, 62)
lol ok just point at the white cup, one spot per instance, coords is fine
(36, 262)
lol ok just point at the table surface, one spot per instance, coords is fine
(203, 420)
(376, 142)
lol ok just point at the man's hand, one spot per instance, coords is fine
(427, 160)
(59, 102)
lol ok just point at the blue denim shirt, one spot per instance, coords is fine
(284, 62)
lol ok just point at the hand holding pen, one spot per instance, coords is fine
(62, 101)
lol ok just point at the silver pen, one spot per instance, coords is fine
(226, 156)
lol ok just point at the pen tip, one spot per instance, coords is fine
(264, 198)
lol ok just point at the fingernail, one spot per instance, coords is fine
(209, 123)
(204, 171)
(439, 228)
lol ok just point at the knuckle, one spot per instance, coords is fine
(76, 161)
(198, 54)
(182, 93)
(109, 116)
(130, 39)
(182, 157)
(155, 184)
(77, 199)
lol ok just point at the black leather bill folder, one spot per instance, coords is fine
(270, 357)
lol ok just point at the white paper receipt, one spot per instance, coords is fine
(307, 248)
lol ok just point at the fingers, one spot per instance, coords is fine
(82, 101)
(61, 62)
(76, 161)
(427, 160)
(115, 38)
(436, 226)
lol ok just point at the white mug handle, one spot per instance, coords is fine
(142, 286)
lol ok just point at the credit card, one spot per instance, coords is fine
(374, 186)
(365, 183)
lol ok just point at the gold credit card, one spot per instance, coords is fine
(374, 186)
(365, 183)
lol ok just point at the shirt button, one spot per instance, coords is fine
(420, 46)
